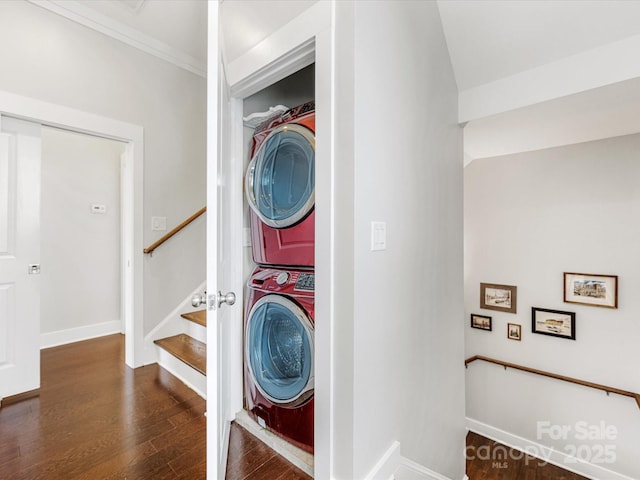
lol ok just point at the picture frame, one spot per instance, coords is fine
(596, 290)
(514, 331)
(481, 322)
(555, 323)
(502, 298)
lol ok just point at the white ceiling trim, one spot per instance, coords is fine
(612, 63)
(300, 31)
(87, 17)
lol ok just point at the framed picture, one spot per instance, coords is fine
(514, 331)
(590, 289)
(553, 322)
(498, 297)
(481, 322)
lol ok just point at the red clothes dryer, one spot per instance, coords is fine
(279, 353)
(280, 189)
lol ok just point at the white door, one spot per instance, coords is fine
(220, 301)
(19, 256)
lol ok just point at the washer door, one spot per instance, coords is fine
(280, 180)
(279, 349)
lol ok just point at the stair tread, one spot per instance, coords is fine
(199, 317)
(188, 349)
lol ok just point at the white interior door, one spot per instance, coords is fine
(19, 256)
(220, 300)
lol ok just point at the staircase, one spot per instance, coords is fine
(185, 354)
(178, 343)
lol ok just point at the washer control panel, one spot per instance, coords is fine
(306, 282)
(282, 278)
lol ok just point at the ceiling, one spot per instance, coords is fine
(492, 39)
(498, 44)
(492, 44)
(179, 24)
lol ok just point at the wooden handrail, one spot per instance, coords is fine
(170, 234)
(584, 383)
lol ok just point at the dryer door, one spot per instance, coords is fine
(280, 180)
(279, 350)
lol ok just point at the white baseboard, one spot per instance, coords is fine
(410, 470)
(301, 459)
(78, 334)
(548, 454)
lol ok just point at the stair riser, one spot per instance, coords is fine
(194, 330)
(187, 375)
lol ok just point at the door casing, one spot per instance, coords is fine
(59, 116)
(308, 40)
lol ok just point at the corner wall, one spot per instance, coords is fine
(408, 354)
(53, 59)
(529, 218)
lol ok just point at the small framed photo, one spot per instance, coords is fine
(514, 331)
(590, 289)
(553, 322)
(498, 297)
(481, 322)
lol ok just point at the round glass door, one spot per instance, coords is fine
(279, 349)
(280, 181)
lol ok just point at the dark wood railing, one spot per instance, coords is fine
(584, 383)
(170, 234)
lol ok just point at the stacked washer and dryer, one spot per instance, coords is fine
(279, 313)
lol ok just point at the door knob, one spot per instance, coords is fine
(229, 298)
(199, 299)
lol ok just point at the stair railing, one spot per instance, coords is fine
(577, 381)
(170, 234)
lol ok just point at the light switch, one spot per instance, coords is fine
(159, 223)
(98, 209)
(378, 236)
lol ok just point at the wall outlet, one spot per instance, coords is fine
(378, 236)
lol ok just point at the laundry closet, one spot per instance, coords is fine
(278, 264)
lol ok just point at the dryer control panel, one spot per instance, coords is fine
(306, 282)
(292, 282)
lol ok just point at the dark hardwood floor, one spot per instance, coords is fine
(95, 419)
(489, 460)
(250, 459)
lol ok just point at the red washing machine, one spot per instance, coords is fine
(280, 189)
(279, 353)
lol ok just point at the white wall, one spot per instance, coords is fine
(50, 58)
(408, 353)
(529, 218)
(80, 251)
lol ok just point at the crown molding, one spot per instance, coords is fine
(87, 17)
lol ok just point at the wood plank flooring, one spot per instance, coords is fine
(489, 460)
(250, 459)
(95, 418)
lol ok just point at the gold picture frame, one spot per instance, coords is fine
(502, 298)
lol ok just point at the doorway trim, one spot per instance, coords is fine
(305, 40)
(67, 118)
